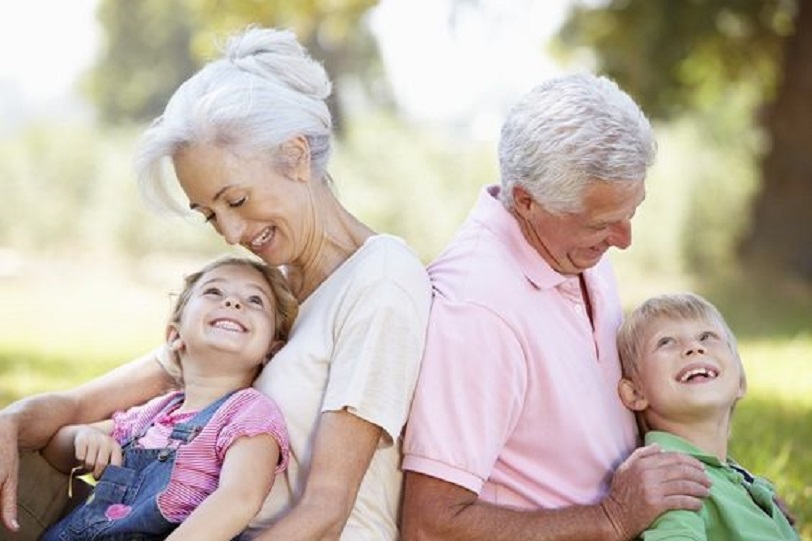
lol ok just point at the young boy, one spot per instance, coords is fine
(682, 375)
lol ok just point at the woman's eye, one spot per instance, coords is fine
(238, 202)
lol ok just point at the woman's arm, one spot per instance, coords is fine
(29, 423)
(247, 477)
(342, 452)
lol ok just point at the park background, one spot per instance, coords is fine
(86, 269)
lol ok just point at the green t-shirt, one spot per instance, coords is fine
(740, 506)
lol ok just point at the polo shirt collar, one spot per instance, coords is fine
(492, 215)
(675, 443)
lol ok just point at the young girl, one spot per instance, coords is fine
(176, 463)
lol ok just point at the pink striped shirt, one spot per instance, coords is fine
(197, 466)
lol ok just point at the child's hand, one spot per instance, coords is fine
(95, 450)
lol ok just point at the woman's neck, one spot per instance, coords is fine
(337, 235)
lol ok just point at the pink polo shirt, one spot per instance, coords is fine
(516, 399)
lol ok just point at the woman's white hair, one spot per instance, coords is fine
(263, 91)
(570, 131)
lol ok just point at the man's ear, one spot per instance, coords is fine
(522, 201)
(631, 396)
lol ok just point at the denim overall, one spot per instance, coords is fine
(124, 503)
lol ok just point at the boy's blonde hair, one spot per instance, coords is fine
(286, 305)
(669, 306)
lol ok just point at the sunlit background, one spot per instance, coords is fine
(421, 88)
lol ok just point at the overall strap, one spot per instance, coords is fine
(186, 432)
(170, 405)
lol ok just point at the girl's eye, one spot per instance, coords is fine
(212, 291)
(256, 300)
(707, 335)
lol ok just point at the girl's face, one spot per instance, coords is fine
(231, 311)
(249, 201)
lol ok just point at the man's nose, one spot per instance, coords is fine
(621, 235)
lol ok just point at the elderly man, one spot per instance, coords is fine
(516, 427)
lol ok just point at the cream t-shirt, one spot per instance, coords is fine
(356, 345)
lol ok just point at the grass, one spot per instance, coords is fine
(65, 323)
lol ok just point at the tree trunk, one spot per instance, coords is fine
(781, 231)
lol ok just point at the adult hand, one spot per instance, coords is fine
(9, 467)
(95, 450)
(649, 483)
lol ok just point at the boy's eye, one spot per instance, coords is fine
(664, 341)
(707, 335)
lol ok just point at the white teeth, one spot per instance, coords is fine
(262, 239)
(228, 325)
(707, 372)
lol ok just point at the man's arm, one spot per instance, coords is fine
(29, 423)
(646, 484)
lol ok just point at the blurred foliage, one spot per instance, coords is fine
(154, 45)
(145, 56)
(675, 57)
(687, 58)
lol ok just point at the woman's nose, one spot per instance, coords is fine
(231, 228)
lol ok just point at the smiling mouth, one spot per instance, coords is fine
(228, 325)
(263, 238)
(698, 375)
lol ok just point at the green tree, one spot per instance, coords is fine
(153, 45)
(678, 56)
(146, 55)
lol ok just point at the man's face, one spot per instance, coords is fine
(574, 242)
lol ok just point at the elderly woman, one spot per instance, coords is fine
(249, 139)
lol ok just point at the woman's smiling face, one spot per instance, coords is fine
(247, 199)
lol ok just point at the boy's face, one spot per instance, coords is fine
(231, 311)
(687, 372)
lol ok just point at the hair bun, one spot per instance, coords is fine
(277, 55)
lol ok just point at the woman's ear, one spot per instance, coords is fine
(631, 396)
(296, 152)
